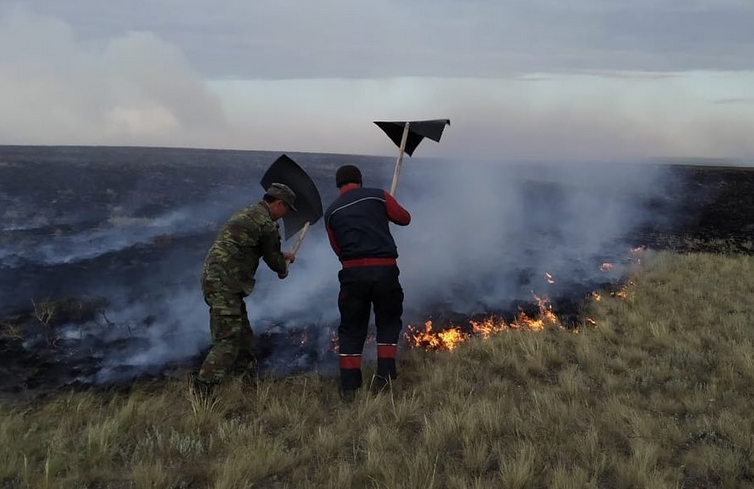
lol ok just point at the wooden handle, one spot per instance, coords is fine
(399, 161)
(300, 239)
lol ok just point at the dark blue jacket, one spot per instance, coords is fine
(357, 224)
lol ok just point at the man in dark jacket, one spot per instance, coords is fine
(228, 277)
(357, 224)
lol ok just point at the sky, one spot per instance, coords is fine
(519, 79)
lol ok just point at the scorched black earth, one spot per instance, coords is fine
(101, 250)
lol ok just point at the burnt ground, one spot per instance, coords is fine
(66, 193)
(714, 206)
(55, 300)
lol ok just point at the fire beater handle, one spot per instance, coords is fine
(299, 240)
(399, 161)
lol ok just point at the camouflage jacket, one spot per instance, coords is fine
(232, 261)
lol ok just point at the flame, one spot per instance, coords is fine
(453, 335)
(635, 251)
(488, 326)
(545, 310)
(620, 294)
(524, 321)
(449, 338)
(623, 292)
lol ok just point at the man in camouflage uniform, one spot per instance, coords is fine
(228, 277)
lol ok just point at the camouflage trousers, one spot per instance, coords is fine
(232, 338)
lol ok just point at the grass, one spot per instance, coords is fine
(657, 395)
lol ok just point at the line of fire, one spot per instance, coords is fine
(447, 331)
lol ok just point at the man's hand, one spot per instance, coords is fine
(289, 257)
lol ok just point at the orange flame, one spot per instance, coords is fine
(450, 338)
(488, 326)
(606, 266)
(549, 278)
(623, 292)
(447, 339)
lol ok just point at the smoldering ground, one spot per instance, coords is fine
(482, 238)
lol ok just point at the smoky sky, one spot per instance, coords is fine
(539, 79)
(367, 39)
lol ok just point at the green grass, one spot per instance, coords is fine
(657, 395)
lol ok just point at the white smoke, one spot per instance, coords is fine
(475, 230)
(309, 293)
(119, 232)
(177, 330)
(134, 89)
(481, 236)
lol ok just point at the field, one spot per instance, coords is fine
(656, 395)
(649, 386)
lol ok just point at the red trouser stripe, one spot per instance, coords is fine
(368, 262)
(386, 351)
(350, 361)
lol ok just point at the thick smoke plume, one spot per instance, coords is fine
(482, 236)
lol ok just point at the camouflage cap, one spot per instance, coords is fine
(284, 193)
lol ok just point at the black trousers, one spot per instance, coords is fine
(360, 289)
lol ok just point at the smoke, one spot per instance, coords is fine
(308, 295)
(482, 236)
(478, 38)
(119, 232)
(133, 89)
(173, 328)
(485, 235)
(166, 320)
(60, 85)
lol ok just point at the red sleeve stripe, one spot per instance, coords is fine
(386, 351)
(350, 361)
(395, 212)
